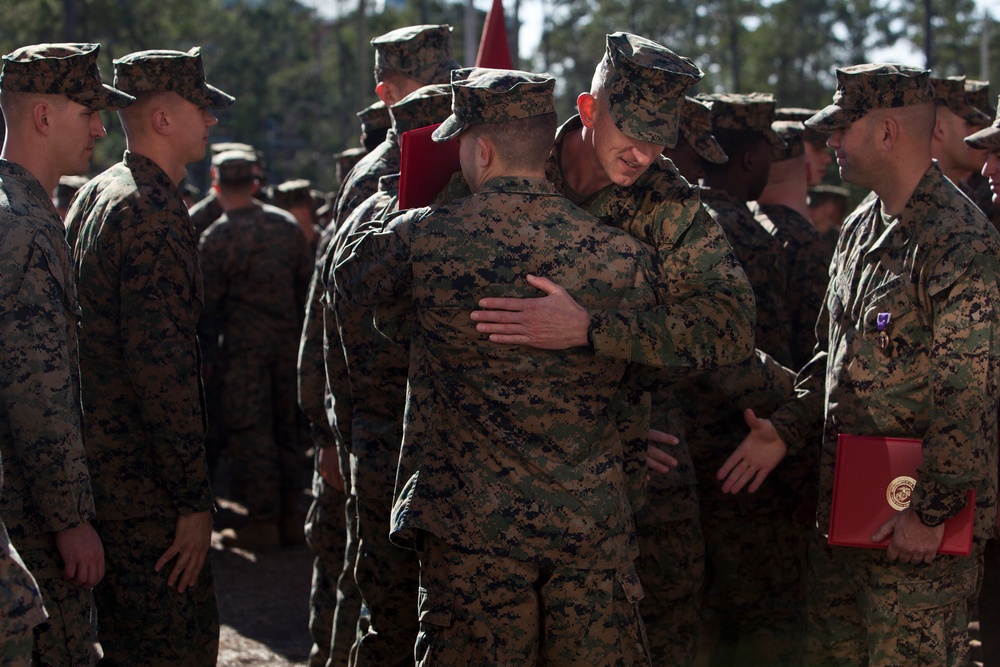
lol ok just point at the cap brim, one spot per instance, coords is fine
(977, 118)
(449, 129)
(710, 150)
(832, 118)
(987, 139)
(104, 98)
(210, 97)
(775, 139)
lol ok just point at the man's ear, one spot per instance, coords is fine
(159, 120)
(586, 104)
(42, 116)
(888, 132)
(939, 130)
(384, 94)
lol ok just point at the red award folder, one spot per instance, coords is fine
(425, 166)
(873, 479)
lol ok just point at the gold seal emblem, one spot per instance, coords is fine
(899, 492)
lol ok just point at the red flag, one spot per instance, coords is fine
(494, 50)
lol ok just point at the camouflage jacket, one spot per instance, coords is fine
(763, 260)
(807, 257)
(20, 600)
(361, 181)
(256, 267)
(47, 486)
(930, 276)
(503, 446)
(136, 261)
(312, 383)
(707, 321)
(204, 212)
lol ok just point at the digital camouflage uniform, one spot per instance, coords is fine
(421, 53)
(256, 273)
(930, 275)
(706, 322)
(502, 445)
(989, 595)
(48, 487)
(136, 261)
(755, 553)
(21, 607)
(326, 522)
(367, 375)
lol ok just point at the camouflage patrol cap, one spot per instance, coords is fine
(824, 192)
(696, 125)
(234, 167)
(645, 83)
(424, 106)
(978, 94)
(950, 92)
(175, 71)
(223, 146)
(61, 69)
(861, 88)
(420, 52)
(481, 95)
(752, 112)
(987, 138)
(791, 132)
(375, 117)
(809, 135)
(291, 193)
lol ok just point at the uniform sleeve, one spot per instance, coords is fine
(373, 268)
(960, 446)
(160, 292)
(312, 373)
(212, 320)
(706, 315)
(37, 392)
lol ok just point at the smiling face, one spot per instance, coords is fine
(854, 147)
(622, 158)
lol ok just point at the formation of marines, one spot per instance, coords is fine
(525, 401)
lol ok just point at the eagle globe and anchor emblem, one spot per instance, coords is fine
(899, 491)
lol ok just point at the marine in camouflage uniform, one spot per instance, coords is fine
(256, 273)
(494, 488)
(782, 210)
(367, 375)
(405, 60)
(208, 209)
(957, 118)
(136, 261)
(988, 139)
(977, 186)
(757, 616)
(911, 331)
(47, 503)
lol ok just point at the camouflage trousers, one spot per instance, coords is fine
(867, 612)
(482, 610)
(326, 535)
(755, 586)
(66, 638)
(15, 651)
(345, 619)
(989, 605)
(141, 620)
(262, 424)
(671, 567)
(388, 577)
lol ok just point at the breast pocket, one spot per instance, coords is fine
(889, 318)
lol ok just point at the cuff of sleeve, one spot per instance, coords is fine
(609, 335)
(198, 498)
(934, 503)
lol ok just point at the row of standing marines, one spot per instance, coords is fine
(511, 488)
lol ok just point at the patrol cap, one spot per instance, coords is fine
(861, 88)
(809, 135)
(424, 106)
(950, 92)
(293, 193)
(176, 71)
(223, 146)
(751, 112)
(978, 94)
(481, 95)
(824, 192)
(234, 167)
(791, 133)
(696, 124)
(420, 52)
(988, 138)
(375, 117)
(645, 83)
(61, 69)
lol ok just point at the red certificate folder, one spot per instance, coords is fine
(873, 479)
(425, 166)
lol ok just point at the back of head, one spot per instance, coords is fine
(644, 85)
(515, 109)
(375, 124)
(234, 171)
(420, 52)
